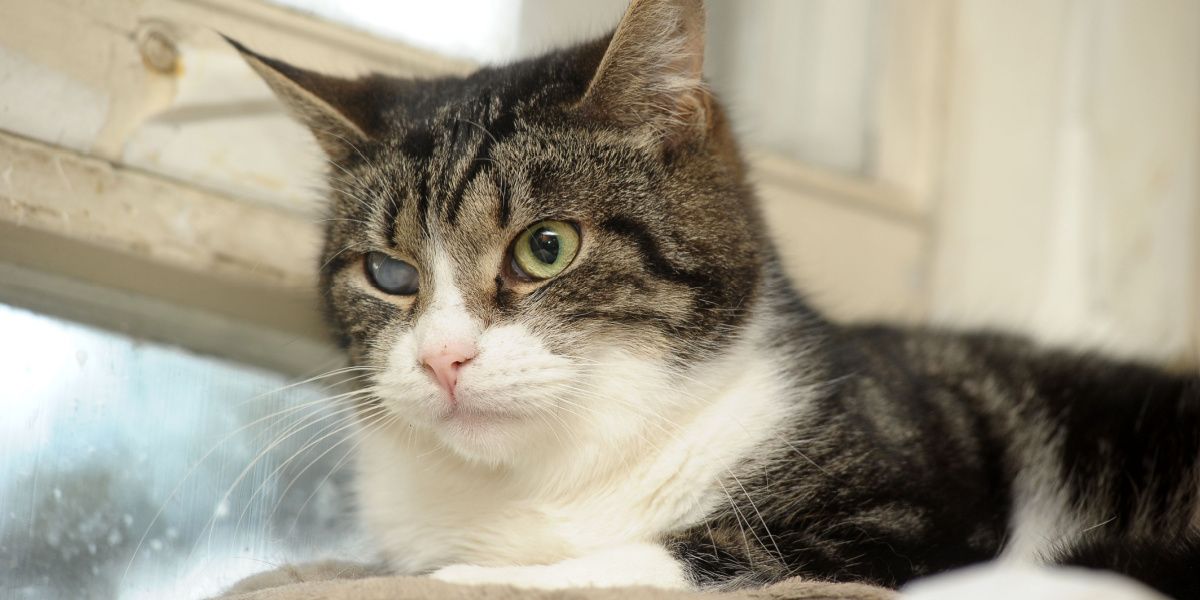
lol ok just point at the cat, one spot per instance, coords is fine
(589, 368)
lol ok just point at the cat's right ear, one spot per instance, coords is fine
(343, 114)
(651, 73)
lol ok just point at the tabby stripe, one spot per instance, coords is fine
(417, 146)
(504, 295)
(462, 136)
(423, 203)
(504, 211)
(497, 131)
(654, 261)
(391, 214)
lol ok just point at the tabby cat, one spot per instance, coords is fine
(589, 368)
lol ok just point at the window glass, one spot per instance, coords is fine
(798, 76)
(136, 470)
(490, 34)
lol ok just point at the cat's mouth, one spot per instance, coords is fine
(467, 416)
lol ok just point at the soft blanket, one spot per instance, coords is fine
(345, 581)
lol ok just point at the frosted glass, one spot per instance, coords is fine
(120, 460)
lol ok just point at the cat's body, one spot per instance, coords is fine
(587, 367)
(593, 492)
(936, 449)
(862, 454)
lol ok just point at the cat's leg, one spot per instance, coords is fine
(631, 564)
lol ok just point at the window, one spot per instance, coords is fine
(135, 470)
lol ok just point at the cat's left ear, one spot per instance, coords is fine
(342, 113)
(651, 73)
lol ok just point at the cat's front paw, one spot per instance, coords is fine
(632, 565)
(528, 577)
(472, 575)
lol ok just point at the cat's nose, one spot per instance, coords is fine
(444, 362)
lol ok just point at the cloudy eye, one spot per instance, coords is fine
(391, 275)
(545, 249)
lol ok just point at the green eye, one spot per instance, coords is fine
(545, 249)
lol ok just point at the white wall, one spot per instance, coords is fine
(1070, 195)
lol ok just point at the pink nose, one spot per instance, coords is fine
(445, 362)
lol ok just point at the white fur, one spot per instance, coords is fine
(446, 318)
(1043, 518)
(629, 565)
(574, 469)
(1005, 582)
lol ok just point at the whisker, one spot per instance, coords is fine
(344, 414)
(210, 524)
(326, 375)
(368, 428)
(191, 470)
(366, 415)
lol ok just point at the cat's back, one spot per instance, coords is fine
(1014, 370)
(1010, 388)
(1074, 439)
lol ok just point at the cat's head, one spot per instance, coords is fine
(538, 249)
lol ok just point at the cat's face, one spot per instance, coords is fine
(536, 250)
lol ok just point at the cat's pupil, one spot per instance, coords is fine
(544, 245)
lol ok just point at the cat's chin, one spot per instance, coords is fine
(483, 435)
(472, 419)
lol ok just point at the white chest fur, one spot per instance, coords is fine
(428, 507)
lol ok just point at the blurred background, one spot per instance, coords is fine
(1029, 165)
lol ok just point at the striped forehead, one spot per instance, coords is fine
(447, 156)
